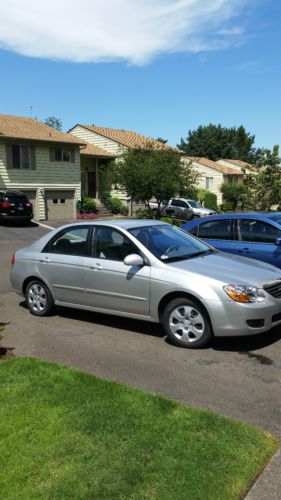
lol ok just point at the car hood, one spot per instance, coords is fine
(230, 269)
(203, 211)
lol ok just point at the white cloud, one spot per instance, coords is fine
(112, 30)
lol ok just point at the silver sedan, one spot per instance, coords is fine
(152, 271)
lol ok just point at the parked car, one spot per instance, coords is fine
(198, 210)
(254, 235)
(152, 271)
(15, 206)
(182, 208)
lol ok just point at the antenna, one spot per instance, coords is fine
(31, 111)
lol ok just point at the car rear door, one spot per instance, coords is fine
(63, 264)
(256, 239)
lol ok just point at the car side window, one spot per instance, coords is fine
(71, 241)
(108, 243)
(194, 231)
(257, 231)
(216, 229)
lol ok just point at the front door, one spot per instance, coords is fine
(92, 184)
(111, 285)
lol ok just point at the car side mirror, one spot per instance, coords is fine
(277, 242)
(133, 260)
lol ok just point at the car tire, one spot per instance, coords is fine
(187, 324)
(38, 298)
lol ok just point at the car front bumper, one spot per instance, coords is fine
(235, 319)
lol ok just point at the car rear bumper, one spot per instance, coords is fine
(16, 218)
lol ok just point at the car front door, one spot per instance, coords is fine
(112, 285)
(256, 239)
(219, 233)
(63, 264)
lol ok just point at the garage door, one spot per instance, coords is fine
(31, 195)
(59, 205)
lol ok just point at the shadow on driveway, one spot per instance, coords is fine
(241, 345)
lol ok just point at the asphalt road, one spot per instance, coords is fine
(240, 378)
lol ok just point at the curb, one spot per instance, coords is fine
(268, 484)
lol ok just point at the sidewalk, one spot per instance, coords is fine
(268, 485)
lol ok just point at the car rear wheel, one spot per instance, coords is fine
(38, 298)
(187, 324)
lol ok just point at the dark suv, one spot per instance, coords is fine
(15, 206)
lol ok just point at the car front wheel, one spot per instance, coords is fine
(38, 298)
(187, 324)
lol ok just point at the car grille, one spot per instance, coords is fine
(274, 288)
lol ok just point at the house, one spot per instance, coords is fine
(102, 146)
(213, 174)
(238, 164)
(43, 163)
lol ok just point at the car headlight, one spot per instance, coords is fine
(245, 294)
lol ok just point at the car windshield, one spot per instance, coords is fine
(275, 217)
(194, 204)
(169, 243)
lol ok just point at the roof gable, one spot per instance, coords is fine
(213, 164)
(126, 138)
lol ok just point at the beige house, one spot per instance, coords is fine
(214, 173)
(43, 163)
(103, 145)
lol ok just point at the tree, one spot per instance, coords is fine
(234, 193)
(264, 180)
(216, 142)
(54, 122)
(147, 173)
(160, 139)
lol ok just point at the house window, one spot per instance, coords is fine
(21, 157)
(62, 154)
(209, 182)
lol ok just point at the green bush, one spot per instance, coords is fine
(86, 205)
(226, 207)
(124, 210)
(145, 213)
(210, 201)
(114, 205)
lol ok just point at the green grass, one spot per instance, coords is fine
(65, 434)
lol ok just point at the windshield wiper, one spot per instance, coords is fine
(190, 256)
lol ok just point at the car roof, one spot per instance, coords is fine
(237, 215)
(12, 192)
(121, 223)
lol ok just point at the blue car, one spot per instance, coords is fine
(255, 235)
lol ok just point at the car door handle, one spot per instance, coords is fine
(45, 259)
(244, 250)
(96, 266)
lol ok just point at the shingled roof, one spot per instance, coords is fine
(126, 138)
(213, 164)
(238, 163)
(91, 150)
(22, 127)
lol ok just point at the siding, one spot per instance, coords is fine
(47, 175)
(98, 140)
(209, 172)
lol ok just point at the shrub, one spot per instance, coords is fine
(88, 205)
(114, 205)
(226, 207)
(105, 197)
(145, 213)
(210, 201)
(124, 210)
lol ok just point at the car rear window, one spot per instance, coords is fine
(16, 199)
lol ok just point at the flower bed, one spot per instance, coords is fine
(86, 215)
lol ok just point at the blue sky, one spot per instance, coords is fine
(158, 70)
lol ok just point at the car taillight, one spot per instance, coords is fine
(29, 204)
(13, 260)
(6, 204)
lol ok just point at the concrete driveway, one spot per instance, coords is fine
(240, 377)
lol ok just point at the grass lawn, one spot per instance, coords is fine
(65, 434)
